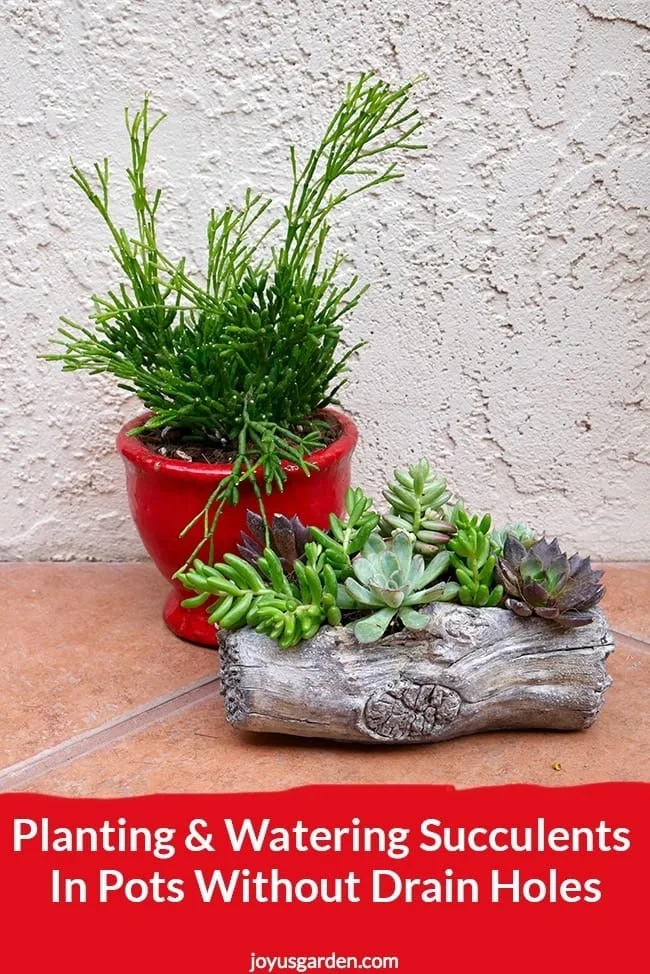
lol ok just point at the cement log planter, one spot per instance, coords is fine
(470, 670)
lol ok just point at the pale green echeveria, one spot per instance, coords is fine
(390, 579)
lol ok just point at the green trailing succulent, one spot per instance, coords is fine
(300, 607)
(417, 499)
(283, 584)
(288, 609)
(392, 580)
(545, 582)
(473, 560)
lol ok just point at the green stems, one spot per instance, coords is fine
(473, 560)
(251, 352)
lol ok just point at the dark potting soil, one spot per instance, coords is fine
(177, 444)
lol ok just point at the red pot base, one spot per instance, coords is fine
(165, 494)
(189, 624)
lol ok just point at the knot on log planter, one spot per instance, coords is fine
(410, 711)
(470, 670)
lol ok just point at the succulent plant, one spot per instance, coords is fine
(543, 581)
(287, 588)
(296, 610)
(254, 349)
(264, 597)
(390, 578)
(287, 536)
(417, 497)
(473, 560)
(347, 535)
(527, 536)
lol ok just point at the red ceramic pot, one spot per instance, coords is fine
(165, 494)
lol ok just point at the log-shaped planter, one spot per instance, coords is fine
(470, 670)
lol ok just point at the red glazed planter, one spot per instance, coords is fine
(165, 494)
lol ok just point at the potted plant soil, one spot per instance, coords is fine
(418, 625)
(237, 368)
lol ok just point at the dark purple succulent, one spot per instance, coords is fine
(543, 581)
(287, 537)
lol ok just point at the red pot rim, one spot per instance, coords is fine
(137, 453)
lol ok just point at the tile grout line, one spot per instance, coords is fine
(639, 644)
(129, 723)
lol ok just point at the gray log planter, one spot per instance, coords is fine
(470, 670)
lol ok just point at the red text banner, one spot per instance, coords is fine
(404, 878)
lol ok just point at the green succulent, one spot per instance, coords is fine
(473, 559)
(296, 609)
(417, 497)
(527, 536)
(288, 588)
(254, 347)
(347, 535)
(391, 579)
(545, 582)
(264, 597)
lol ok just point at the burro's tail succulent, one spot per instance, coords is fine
(391, 579)
(543, 581)
(417, 497)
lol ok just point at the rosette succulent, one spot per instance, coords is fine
(287, 538)
(543, 581)
(392, 580)
(417, 497)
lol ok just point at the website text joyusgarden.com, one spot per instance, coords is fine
(321, 962)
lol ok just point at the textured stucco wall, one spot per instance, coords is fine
(505, 317)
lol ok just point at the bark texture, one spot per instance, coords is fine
(470, 670)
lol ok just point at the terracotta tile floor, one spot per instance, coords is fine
(100, 699)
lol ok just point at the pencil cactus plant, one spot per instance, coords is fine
(251, 351)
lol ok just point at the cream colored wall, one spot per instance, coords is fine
(505, 317)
